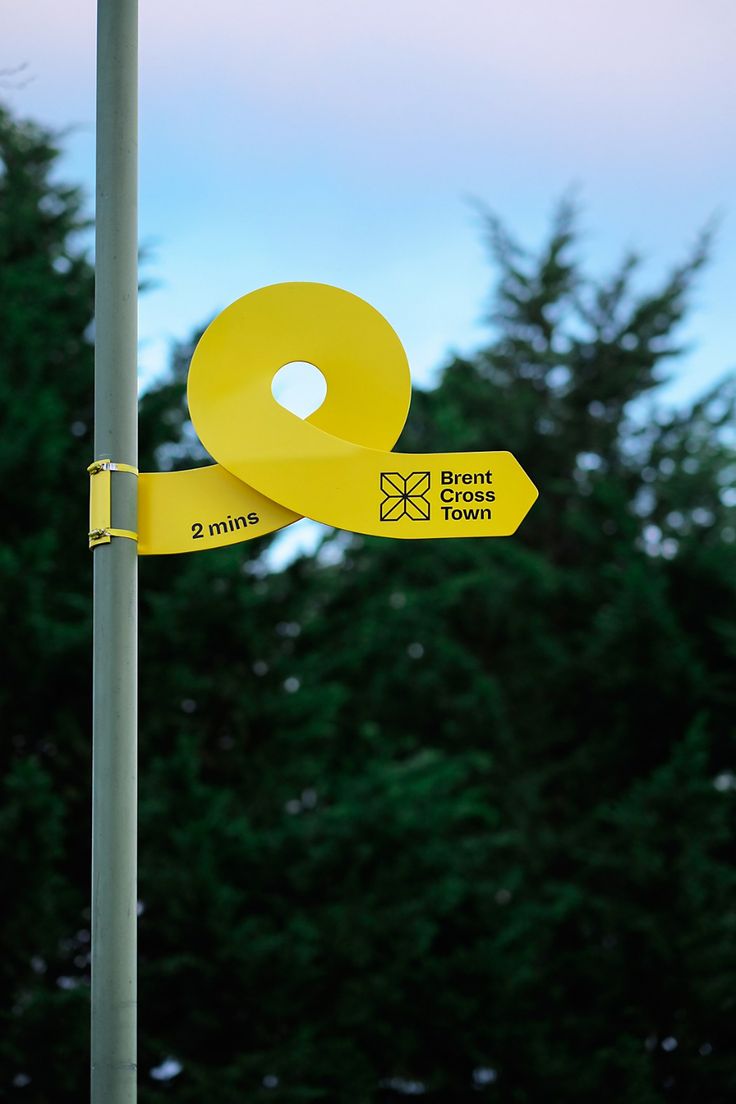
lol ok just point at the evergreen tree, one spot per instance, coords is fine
(453, 819)
(46, 297)
(461, 820)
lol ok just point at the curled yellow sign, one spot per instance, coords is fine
(336, 466)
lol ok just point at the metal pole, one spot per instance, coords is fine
(114, 772)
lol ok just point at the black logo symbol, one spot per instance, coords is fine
(406, 496)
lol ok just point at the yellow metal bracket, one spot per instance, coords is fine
(100, 502)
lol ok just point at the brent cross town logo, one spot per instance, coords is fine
(406, 496)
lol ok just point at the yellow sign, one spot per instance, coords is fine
(336, 466)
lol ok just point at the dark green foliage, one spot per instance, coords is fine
(46, 297)
(455, 815)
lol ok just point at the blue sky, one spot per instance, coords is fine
(341, 142)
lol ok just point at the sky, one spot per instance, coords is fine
(352, 143)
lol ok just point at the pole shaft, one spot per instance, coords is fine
(114, 771)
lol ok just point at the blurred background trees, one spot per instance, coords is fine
(451, 820)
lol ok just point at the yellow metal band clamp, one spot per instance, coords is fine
(100, 502)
